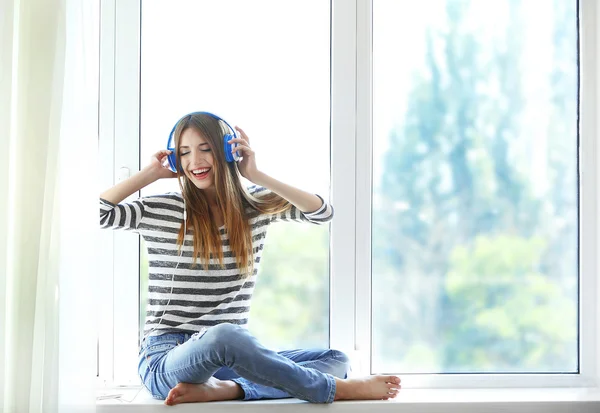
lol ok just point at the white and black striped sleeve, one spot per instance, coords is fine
(122, 216)
(321, 216)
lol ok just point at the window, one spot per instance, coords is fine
(475, 187)
(208, 56)
(456, 140)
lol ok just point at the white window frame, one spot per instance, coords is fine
(351, 183)
(119, 149)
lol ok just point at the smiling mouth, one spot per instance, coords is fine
(200, 173)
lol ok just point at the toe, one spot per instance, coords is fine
(178, 400)
(172, 396)
(393, 386)
(394, 379)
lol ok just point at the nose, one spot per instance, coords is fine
(198, 157)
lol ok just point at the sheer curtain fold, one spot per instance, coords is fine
(48, 127)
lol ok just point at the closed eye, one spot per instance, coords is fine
(201, 150)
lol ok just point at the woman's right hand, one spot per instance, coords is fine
(159, 165)
(154, 171)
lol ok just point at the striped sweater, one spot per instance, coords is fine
(200, 298)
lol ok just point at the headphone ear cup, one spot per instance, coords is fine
(229, 156)
(172, 161)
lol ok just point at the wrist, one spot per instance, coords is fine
(147, 175)
(260, 179)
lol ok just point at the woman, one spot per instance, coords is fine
(204, 247)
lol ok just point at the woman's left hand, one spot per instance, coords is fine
(247, 165)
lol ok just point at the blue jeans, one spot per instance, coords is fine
(230, 352)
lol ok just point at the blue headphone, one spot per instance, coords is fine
(229, 156)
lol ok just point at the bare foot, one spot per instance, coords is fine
(211, 391)
(367, 388)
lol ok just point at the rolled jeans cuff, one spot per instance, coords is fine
(332, 387)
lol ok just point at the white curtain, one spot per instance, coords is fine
(48, 214)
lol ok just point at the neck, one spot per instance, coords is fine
(211, 195)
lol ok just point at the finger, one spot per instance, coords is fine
(239, 141)
(243, 148)
(241, 132)
(162, 155)
(163, 159)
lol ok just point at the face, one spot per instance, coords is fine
(196, 158)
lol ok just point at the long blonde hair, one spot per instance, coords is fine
(233, 200)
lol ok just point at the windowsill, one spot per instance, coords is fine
(550, 400)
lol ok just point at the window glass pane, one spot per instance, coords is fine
(255, 64)
(475, 197)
